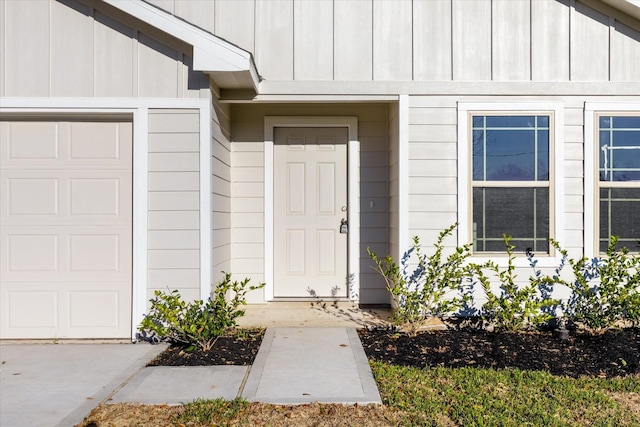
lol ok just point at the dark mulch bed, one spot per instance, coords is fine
(614, 353)
(234, 349)
(611, 354)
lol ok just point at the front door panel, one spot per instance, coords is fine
(310, 195)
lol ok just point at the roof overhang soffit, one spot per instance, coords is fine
(229, 66)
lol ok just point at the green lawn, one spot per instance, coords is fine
(420, 397)
(486, 397)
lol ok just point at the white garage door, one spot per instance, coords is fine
(65, 229)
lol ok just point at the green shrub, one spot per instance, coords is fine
(422, 293)
(517, 306)
(603, 290)
(620, 280)
(196, 324)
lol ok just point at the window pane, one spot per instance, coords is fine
(511, 148)
(478, 121)
(478, 155)
(605, 165)
(522, 213)
(511, 121)
(543, 121)
(605, 122)
(543, 156)
(625, 155)
(620, 216)
(626, 122)
(510, 155)
(620, 151)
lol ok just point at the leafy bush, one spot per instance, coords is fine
(603, 290)
(517, 306)
(422, 293)
(196, 324)
(620, 279)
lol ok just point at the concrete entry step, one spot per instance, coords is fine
(313, 314)
(304, 365)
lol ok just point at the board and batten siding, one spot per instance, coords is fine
(435, 40)
(247, 187)
(174, 202)
(69, 49)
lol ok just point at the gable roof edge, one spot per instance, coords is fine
(211, 54)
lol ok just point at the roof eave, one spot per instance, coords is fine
(229, 66)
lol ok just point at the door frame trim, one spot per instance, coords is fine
(353, 194)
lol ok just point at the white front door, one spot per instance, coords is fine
(310, 202)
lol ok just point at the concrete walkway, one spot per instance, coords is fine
(303, 365)
(293, 366)
(59, 384)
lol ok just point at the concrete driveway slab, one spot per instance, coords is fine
(59, 384)
(182, 384)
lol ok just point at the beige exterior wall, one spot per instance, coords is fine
(174, 210)
(69, 49)
(394, 183)
(247, 187)
(220, 190)
(440, 40)
(433, 168)
(356, 49)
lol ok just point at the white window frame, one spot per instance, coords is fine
(466, 109)
(592, 110)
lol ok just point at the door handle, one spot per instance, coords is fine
(344, 226)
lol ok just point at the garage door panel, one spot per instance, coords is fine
(33, 254)
(97, 253)
(64, 145)
(67, 253)
(96, 141)
(71, 312)
(65, 235)
(33, 196)
(98, 196)
(31, 141)
(31, 309)
(88, 197)
(100, 309)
